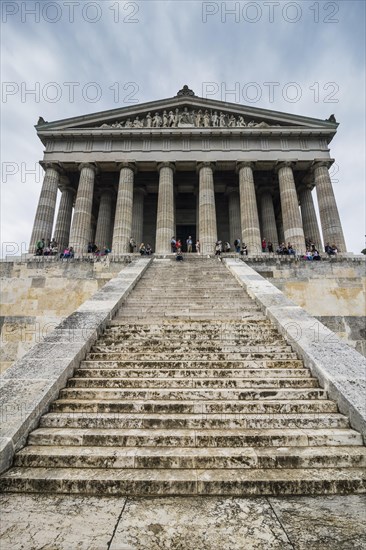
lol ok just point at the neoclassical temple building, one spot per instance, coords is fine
(187, 166)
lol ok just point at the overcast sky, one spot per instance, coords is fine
(66, 58)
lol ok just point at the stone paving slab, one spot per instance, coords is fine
(341, 370)
(64, 522)
(33, 382)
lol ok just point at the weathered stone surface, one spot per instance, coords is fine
(340, 370)
(323, 522)
(26, 394)
(196, 523)
(42, 521)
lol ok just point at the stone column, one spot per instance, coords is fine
(269, 228)
(64, 215)
(165, 227)
(292, 223)
(329, 216)
(80, 229)
(234, 214)
(45, 213)
(251, 234)
(123, 218)
(309, 220)
(207, 208)
(103, 232)
(138, 214)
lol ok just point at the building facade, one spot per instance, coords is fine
(187, 166)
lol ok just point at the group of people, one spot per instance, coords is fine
(176, 245)
(46, 249)
(96, 251)
(267, 247)
(331, 250)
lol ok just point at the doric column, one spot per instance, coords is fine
(165, 227)
(251, 234)
(138, 214)
(292, 223)
(269, 228)
(308, 214)
(329, 216)
(234, 213)
(43, 221)
(80, 229)
(64, 215)
(207, 208)
(103, 231)
(123, 218)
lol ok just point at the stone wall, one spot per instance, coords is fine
(332, 290)
(36, 295)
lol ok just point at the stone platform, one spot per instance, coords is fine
(64, 522)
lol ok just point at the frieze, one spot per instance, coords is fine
(185, 118)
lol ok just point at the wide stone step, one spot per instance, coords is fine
(227, 421)
(207, 356)
(193, 394)
(177, 336)
(215, 346)
(193, 382)
(86, 371)
(298, 437)
(227, 325)
(155, 482)
(202, 407)
(220, 366)
(136, 317)
(191, 458)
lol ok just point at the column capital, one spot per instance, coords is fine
(170, 165)
(105, 189)
(90, 165)
(265, 189)
(131, 165)
(244, 164)
(140, 189)
(306, 183)
(65, 185)
(320, 163)
(201, 165)
(284, 164)
(231, 189)
(52, 165)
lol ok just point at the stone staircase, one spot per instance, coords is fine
(191, 391)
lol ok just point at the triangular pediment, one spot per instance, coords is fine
(186, 112)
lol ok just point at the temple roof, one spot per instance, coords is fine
(186, 110)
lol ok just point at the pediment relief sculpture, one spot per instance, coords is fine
(185, 118)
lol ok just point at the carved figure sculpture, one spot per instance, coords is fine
(184, 117)
(206, 119)
(156, 122)
(171, 119)
(148, 120)
(232, 122)
(222, 121)
(165, 120)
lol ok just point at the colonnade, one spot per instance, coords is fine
(247, 207)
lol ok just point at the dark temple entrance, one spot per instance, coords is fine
(183, 232)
